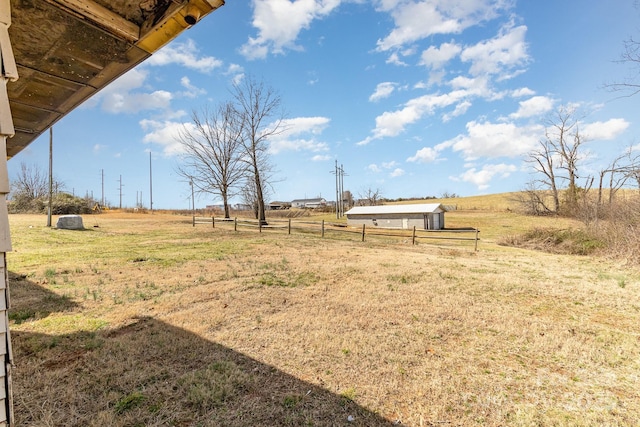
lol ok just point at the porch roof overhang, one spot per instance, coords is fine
(67, 50)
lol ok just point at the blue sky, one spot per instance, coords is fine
(413, 98)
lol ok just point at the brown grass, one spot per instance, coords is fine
(146, 320)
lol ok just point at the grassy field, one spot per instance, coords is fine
(144, 320)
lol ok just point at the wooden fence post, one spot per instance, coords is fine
(193, 220)
(413, 237)
(260, 225)
(289, 228)
(476, 242)
(213, 222)
(235, 223)
(363, 226)
(323, 228)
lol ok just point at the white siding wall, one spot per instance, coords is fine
(406, 221)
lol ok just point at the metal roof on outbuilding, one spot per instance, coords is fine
(397, 209)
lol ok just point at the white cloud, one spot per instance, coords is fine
(119, 96)
(191, 90)
(375, 168)
(437, 57)
(522, 92)
(392, 123)
(481, 178)
(493, 140)
(236, 72)
(460, 109)
(394, 59)
(298, 125)
(321, 158)
(185, 54)
(604, 130)
(495, 56)
(534, 106)
(416, 20)
(118, 102)
(425, 155)
(396, 173)
(165, 133)
(389, 165)
(383, 90)
(297, 144)
(279, 23)
(289, 139)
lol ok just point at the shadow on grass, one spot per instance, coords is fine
(29, 301)
(150, 373)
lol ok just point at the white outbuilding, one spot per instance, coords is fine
(425, 216)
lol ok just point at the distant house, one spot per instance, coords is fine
(428, 216)
(242, 207)
(309, 203)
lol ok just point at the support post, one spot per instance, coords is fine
(50, 201)
(235, 224)
(8, 71)
(213, 222)
(322, 228)
(363, 227)
(477, 238)
(413, 237)
(289, 228)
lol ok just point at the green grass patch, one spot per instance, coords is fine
(128, 402)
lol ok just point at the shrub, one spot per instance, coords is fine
(568, 241)
(61, 204)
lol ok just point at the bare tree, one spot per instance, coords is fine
(370, 197)
(212, 156)
(619, 171)
(630, 55)
(557, 157)
(30, 188)
(542, 159)
(259, 109)
(534, 200)
(33, 183)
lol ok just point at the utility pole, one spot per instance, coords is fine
(339, 173)
(150, 185)
(102, 201)
(120, 189)
(50, 176)
(337, 192)
(193, 203)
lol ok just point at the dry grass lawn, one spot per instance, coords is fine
(145, 320)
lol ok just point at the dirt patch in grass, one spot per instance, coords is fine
(242, 329)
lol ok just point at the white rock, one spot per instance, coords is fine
(70, 222)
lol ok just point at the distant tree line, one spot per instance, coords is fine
(30, 194)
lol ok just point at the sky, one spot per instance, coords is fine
(413, 98)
